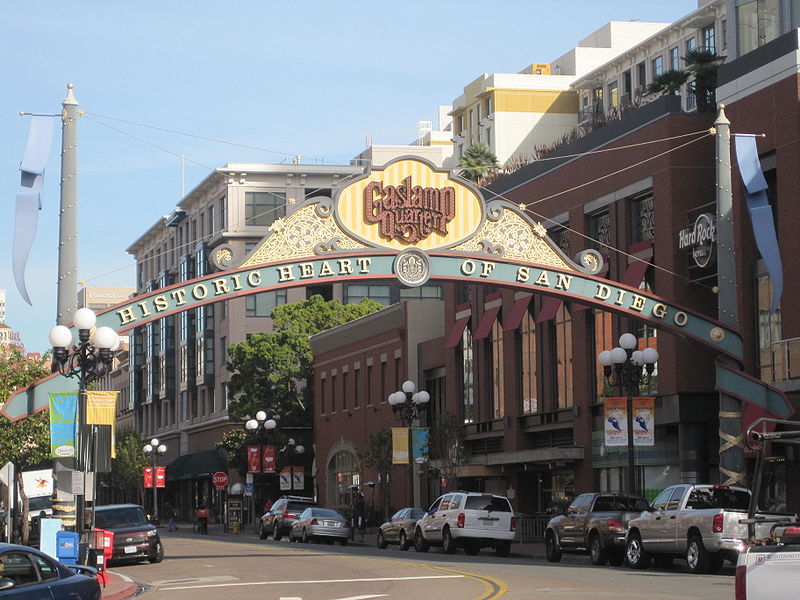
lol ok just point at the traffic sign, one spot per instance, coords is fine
(219, 479)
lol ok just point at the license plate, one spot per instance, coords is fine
(331, 524)
(130, 549)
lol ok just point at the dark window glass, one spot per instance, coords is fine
(492, 503)
(262, 208)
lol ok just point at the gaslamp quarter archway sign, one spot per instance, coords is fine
(410, 221)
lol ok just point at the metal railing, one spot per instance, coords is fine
(530, 528)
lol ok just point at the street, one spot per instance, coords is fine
(202, 568)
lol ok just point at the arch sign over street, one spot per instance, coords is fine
(410, 221)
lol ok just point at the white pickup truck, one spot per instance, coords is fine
(697, 521)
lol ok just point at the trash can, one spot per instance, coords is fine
(67, 547)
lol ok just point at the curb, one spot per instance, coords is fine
(127, 589)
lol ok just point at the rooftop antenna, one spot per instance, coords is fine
(182, 174)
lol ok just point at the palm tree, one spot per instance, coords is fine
(703, 64)
(668, 83)
(478, 162)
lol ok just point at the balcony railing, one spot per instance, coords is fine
(589, 112)
(786, 360)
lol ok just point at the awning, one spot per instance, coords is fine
(463, 315)
(491, 309)
(550, 306)
(517, 312)
(635, 272)
(197, 465)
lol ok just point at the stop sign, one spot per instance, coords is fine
(219, 479)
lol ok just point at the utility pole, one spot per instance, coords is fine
(731, 449)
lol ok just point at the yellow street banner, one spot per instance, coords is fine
(101, 409)
(399, 445)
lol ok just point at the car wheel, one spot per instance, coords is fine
(502, 548)
(616, 558)
(698, 559)
(276, 534)
(472, 549)
(343, 541)
(262, 533)
(552, 551)
(382, 543)
(448, 543)
(403, 541)
(420, 544)
(635, 555)
(159, 555)
(597, 553)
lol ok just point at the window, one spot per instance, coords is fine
(369, 385)
(709, 42)
(691, 44)
(345, 389)
(356, 389)
(262, 208)
(322, 387)
(21, 566)
(397, 377)
(496, 361)
(423, 292)
(658, 66)
(262, 305)
(603, 340)
(528, 366)
(467, 389)
(759, 23)
(600, 232)
(725, 34)
(384, 382)
(641, 76)
(642, 226)
(769, 332)
(46, 568)
(563, 347)
(674, 59)
(613, 95)
(333, 394)
(675, 499)
(661, 500)
(356, 292)
(471, 126)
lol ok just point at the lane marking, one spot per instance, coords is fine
(493, 588)
(313, 581)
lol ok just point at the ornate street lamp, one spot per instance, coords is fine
(408, 407)
(88, 360)
(259, 427)
(629, 369)
(155, 450)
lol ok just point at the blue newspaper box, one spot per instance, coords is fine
(67, 547)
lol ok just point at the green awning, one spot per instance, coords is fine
(197, 465)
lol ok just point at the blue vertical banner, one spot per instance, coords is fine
(760, 212)
(63, 417)
(419, 444)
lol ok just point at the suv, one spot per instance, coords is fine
(278, 519)
(133, 537)
(471, 520)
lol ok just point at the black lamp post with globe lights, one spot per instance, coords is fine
(88, 360)
(629, 369)
(259, 428)
(409, 406)
(155, 449)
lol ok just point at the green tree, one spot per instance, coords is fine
(24, 443)
(378, 456)
(126, 468)
(701, 67)
(273, 371)
(478, 162)
(447, 452)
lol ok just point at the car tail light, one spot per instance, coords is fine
(717, 524)
(615, 526)
(721, 487)
(460, 520)
(790, 533)
(314, 522)
(286, 515)
(513, 523)
(740, 584)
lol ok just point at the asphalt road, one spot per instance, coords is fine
(243, 568)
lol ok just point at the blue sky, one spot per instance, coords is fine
(292, 77)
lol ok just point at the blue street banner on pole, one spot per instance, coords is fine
(63, 413)
(760, 212)
(419, 444)
(29, 199)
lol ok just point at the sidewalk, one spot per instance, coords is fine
(118, 587)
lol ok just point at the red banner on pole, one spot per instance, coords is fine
(269, 453)
(161, 477)
(148, 477)
(254, 459)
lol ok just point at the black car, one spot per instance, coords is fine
(26, 573)
(277, 521)
(134, 537)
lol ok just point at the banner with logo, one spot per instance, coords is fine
(298, 478)
(419, 444)
(254, 459)
(63, 413)
(399, 445)
(268, 454)
(148, 477)
(161, 477)
(644, 421)
(285, 478)
(101, 409)
(616, 421)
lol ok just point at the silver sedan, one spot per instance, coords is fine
(320, 524)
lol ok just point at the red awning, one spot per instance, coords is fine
(487, 320)
(517, 312)
(635, 272)
(550, 306)
(463, 315)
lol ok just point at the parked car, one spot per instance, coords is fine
(593, 524)
(28, 573)
(471, 520)
(133, 536)
(699, 522)
(320, 524)
(400, 528)
(277, 521)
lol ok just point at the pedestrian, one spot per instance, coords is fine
(169, 512)
(359, 513)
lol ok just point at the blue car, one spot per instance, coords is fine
(28, 574)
